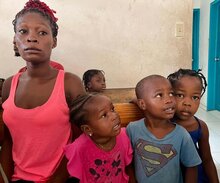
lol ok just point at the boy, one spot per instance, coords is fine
(160, 146)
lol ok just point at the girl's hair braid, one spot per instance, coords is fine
(174, 77)
(87, 76)
(78, 114)
(39, 7)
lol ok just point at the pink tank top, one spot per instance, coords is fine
(39, 134)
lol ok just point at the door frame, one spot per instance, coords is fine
(195, 39)
(213, 30)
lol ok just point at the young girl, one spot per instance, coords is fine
(103, 151)
(94, 80)
(35, 103)
(160, 146)
(189, 86)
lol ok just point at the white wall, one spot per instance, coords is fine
(196, 3)
(128, 39)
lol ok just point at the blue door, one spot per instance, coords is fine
(214, 58)
(195, 39)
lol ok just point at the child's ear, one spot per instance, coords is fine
(89, 85)
(141, 104)
(87, 130)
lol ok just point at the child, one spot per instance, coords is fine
(35, 103)
(160, 145)
(103, 151)
(94, 80)
(189, 86)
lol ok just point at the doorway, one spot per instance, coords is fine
(214, 58)
(195, 39)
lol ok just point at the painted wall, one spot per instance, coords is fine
(128, 39)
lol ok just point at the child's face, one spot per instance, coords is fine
(33, 37)
(97, 83)
(187, 93)
(103, 119)
(158, 101)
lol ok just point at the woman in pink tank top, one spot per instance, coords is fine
(35, 103)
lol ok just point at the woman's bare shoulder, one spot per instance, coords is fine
(73, 85)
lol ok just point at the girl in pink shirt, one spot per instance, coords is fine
(103, 151)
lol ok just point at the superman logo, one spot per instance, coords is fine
(154, 156)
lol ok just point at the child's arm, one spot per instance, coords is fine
(205, 154)
(191, 175)
(6, 155)
(130, 172)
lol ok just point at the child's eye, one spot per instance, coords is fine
(178, 95)
(98, 81)
(159, 95)
(195, 98)
(104, 115)
(171, 94)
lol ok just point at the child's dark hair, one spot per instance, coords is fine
(174, 77)
(78, 114)
(41, 8)
(87, 76)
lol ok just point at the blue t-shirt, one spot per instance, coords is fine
(158, 160)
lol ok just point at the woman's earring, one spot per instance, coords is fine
(90, 134)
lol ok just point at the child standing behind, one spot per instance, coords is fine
(103, 151)
(94, 80)
(189, 86)
(160, 146)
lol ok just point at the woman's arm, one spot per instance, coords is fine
(73, 88)
(6, 149)
(61, 174)
(205, 154)
(6, 155)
